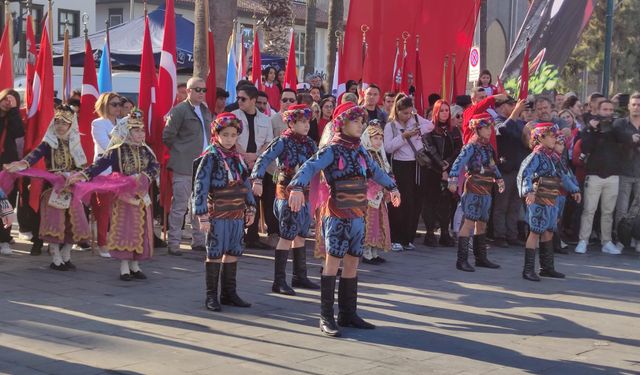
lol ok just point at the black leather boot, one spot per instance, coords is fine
(228, 294)
(480, 252)
(557, 245)
(529, 271)
(463, 255)
(328, 324)
(212, 275)
(547, 268)
(36, 248)
(348, 304)
(300, 279)
(280, 274)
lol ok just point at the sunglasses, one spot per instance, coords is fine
(115, 104)
(288, 100)
(199, 89)
(242, 99)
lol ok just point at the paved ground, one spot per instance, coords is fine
(431, 319)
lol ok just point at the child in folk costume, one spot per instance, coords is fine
(6, 211)
(540, 179)
(377, 232)
(290, 150)
(346, 166)
(223, 201)
(479, 159)
(63, 221)
(130, 237)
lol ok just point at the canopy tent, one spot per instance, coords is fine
(126, 44)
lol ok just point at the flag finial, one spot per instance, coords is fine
(85, 18)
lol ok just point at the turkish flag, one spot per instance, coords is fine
(454, 31)
(147, 88)
(88, 100)
(290, 76)
(167, 85)
(31, 61)
(256, 63)
(6, 60)
(41, 111)
(211, 78)
(524, 75)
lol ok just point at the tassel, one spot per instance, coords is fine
(341, 163)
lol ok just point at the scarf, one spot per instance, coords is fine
(548, 152)
(346, 141)
(73, 135)
(298, 138)
(229, 153)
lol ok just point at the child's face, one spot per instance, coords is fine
(559, 148)
(61, 128)
(485, 79)
(228, 137)
(549, 141)
(301, 126)
(484, 132)
(137, 135)
(376, 142)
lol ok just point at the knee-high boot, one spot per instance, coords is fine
(529, 271)
(212, 275)
(300, 279)
(480, 252)
(547, 268)
(328, 324)
(229, 295)
(463, 255)
(280, 274)
(348, 304)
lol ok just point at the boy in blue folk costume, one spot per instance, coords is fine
(224, 204)
(346, 166)
(540, 179)
(290, 150)
(479, 159)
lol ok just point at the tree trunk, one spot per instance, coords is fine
(277, 24)
(336, 10)
(310, 38)
(200, 68)
(221, 16)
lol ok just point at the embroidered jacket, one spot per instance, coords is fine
(127, 159)
(338, 162)
(55, 160)
(540, 164)
(475, 158)
(289, 152)
(220, 169)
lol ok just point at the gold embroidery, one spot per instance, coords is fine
(61, 159)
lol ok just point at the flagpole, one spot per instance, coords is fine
(50, 21)
(107, 23)
(444, 77)
(8, 18)
(453, 75)
(65, 65)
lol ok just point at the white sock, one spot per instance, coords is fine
(366, 253)
(124, 267)
(56, 258)
(66, 252)
(374, 253)
(133, 265)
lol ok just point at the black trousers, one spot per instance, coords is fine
(5, 233)
(404, 219)
(437, 202)
(28, 218)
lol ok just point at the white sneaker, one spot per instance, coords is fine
(563, 245)
(638, 246)
(396, 247)
(27, 236)
(410, 246)
(620, 246)
(5, 249)
(581, 248)
(104, 253)
(610, 248)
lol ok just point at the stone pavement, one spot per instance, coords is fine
(431, 319)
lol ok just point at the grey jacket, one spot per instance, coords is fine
(183, 136)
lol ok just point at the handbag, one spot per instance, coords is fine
(421, 158)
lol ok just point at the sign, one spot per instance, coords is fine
(474, 64)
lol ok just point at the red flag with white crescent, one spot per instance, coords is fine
(290, 75)
(88, 100)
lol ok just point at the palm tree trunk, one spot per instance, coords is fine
(221, 16)
(276, 27)
(336, 10)
(310, 38)
(200, 40)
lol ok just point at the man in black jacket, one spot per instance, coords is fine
(600, 150)
(627, 131)
(511, 152)
(11, 128)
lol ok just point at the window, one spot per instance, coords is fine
(37, 12)
(299, 42)
(69, 19)
(115, 16)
